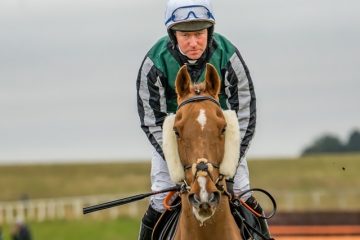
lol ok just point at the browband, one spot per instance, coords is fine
(197, 99)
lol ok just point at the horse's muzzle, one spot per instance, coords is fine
(205, 208)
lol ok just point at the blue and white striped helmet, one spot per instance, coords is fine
(189, 15)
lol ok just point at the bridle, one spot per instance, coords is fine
(203, 166)
(198, 99)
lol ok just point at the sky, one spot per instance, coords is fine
(68, 73)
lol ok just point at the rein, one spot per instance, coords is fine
(180, 189)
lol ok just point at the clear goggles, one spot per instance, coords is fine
(190, 12)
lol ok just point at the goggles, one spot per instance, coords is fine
(190, 12)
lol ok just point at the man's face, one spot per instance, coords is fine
(192, 44)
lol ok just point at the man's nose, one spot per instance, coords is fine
(192, 41)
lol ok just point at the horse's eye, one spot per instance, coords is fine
(176, 133)
(223, 131)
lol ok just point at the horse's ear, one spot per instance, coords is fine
(212, 80)
(183, 82)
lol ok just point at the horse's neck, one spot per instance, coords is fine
(220, 226)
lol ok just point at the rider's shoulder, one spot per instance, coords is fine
(223, 42)
(159, 46)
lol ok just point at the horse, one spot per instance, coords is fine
(201, 146)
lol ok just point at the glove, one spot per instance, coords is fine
(230, 187)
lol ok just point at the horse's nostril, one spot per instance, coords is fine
(214, 197)
(193, 198)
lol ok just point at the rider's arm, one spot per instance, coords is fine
(241, 98)
(151, 103)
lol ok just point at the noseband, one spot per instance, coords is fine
(203, 166)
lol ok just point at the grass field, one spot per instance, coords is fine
(119, 229)
(331, 179)
(330, 174)
(55, 180)
(127, 229)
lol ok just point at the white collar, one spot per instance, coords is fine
(189, 60)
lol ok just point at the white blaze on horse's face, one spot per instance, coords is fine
(202, 119)
(205, 198)
(204, 195)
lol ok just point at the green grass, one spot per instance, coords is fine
(330, 175)
(118, 229)
(325, 173)
(331, 181)
(56, 180)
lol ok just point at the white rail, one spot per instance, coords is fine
(71, 208)
(66, 208)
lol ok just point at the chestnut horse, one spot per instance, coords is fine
(201, 146)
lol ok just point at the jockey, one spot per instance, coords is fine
(191, 40)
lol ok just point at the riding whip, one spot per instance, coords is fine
(126, 200)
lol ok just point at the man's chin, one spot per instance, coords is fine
(194, 56)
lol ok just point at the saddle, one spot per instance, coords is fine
(165, 227)
(247, 222)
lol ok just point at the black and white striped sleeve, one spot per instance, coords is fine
(240, 93)
(151, 103)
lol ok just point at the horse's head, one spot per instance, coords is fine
(201, 142)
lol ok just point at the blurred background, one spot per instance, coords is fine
(69, 126)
